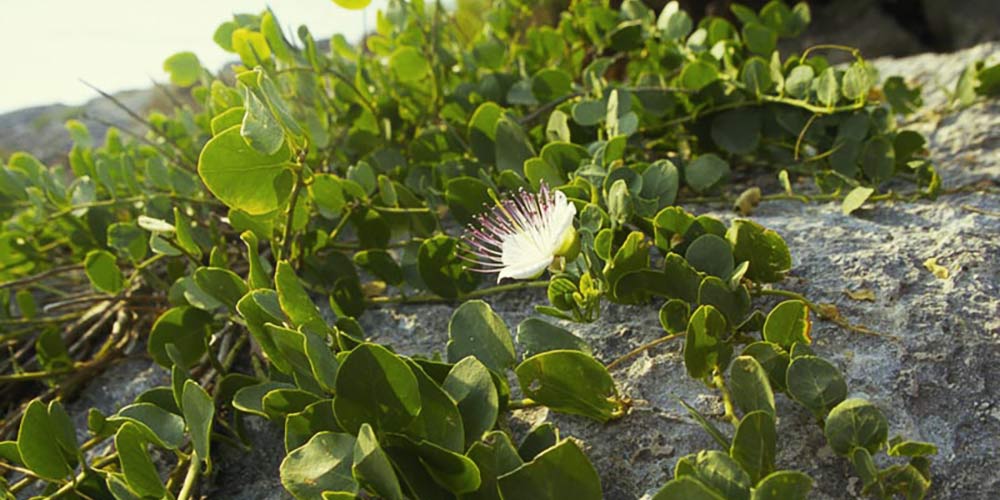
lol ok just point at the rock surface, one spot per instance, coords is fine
(932, 367)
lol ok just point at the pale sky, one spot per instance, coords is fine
(48, 46)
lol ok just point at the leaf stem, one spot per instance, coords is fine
(639, 350)
(475, 294)
(191, 478)
(521, 404)
(286, 237)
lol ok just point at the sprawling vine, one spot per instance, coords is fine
(346, 173)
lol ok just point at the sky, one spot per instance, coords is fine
(48, 46)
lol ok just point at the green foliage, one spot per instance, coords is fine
(346, 173)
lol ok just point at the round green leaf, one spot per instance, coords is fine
(185, 328)
(39, 452)
(184, 69)
(799, 81)
(764, 249)
(560, 472)
(815, 383)
(756, 76)
(322, 464)
(103, 271)
(536, 336)
(712, 255)
(409, 64)
(140, 473)
(375, 386)
(783, 485)
(353, 4)
(698, 74)
(199, 409)
(749, 385)
(703, 347)
(788, 323)
(243, 178)
(737, 131)
(855, 423)
(706, 172)
(570, 382)
(755, 444)
(372, 467)
(475, 330)
(469, 383)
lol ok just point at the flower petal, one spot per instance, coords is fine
(525, 270)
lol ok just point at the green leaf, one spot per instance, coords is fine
(815, 383)
(372, 468)
(381, 264)
(756, 76)
(440, 268)
(475, 330)
(495, 456)
(764, 249)
(858, 79)
(737, 131)
(706, 425)
(703, 348)
(160, 426)
(186, 329)
(722, 474)
(686, 488)
(570, 382)
(783, 485)
(313, 419)
(673, 22)
(199, 409)
(749, 385)
(375, 386)
(103, 271)
(129, 240)
(295, 301)
(471, 387)
(901, 97)
(799, 81)
(536, 336)
(251, 46)
(322, 464)
(353, 4)
(755, 444)
(901, 448)
(250, 399)
(408, 64)
(698, 74)
(483, 131)
(455, 472)
(855, 199)
(560, 472)
(826, 87)
(773, 359)
(439, 421)
(549, 84)
(184, 69)
(512, 145)
(788, 323)
(712, 255)
(760, 39)
(259, 127)
(242, 177)
(39, 452)
(140, 473)
(706, 172)
(878, 160)
(222, 284)
(855, 423)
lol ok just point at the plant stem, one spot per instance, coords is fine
(521, 404)
(639, 350)
(191, 478)
(475, 294)
(286, 238)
